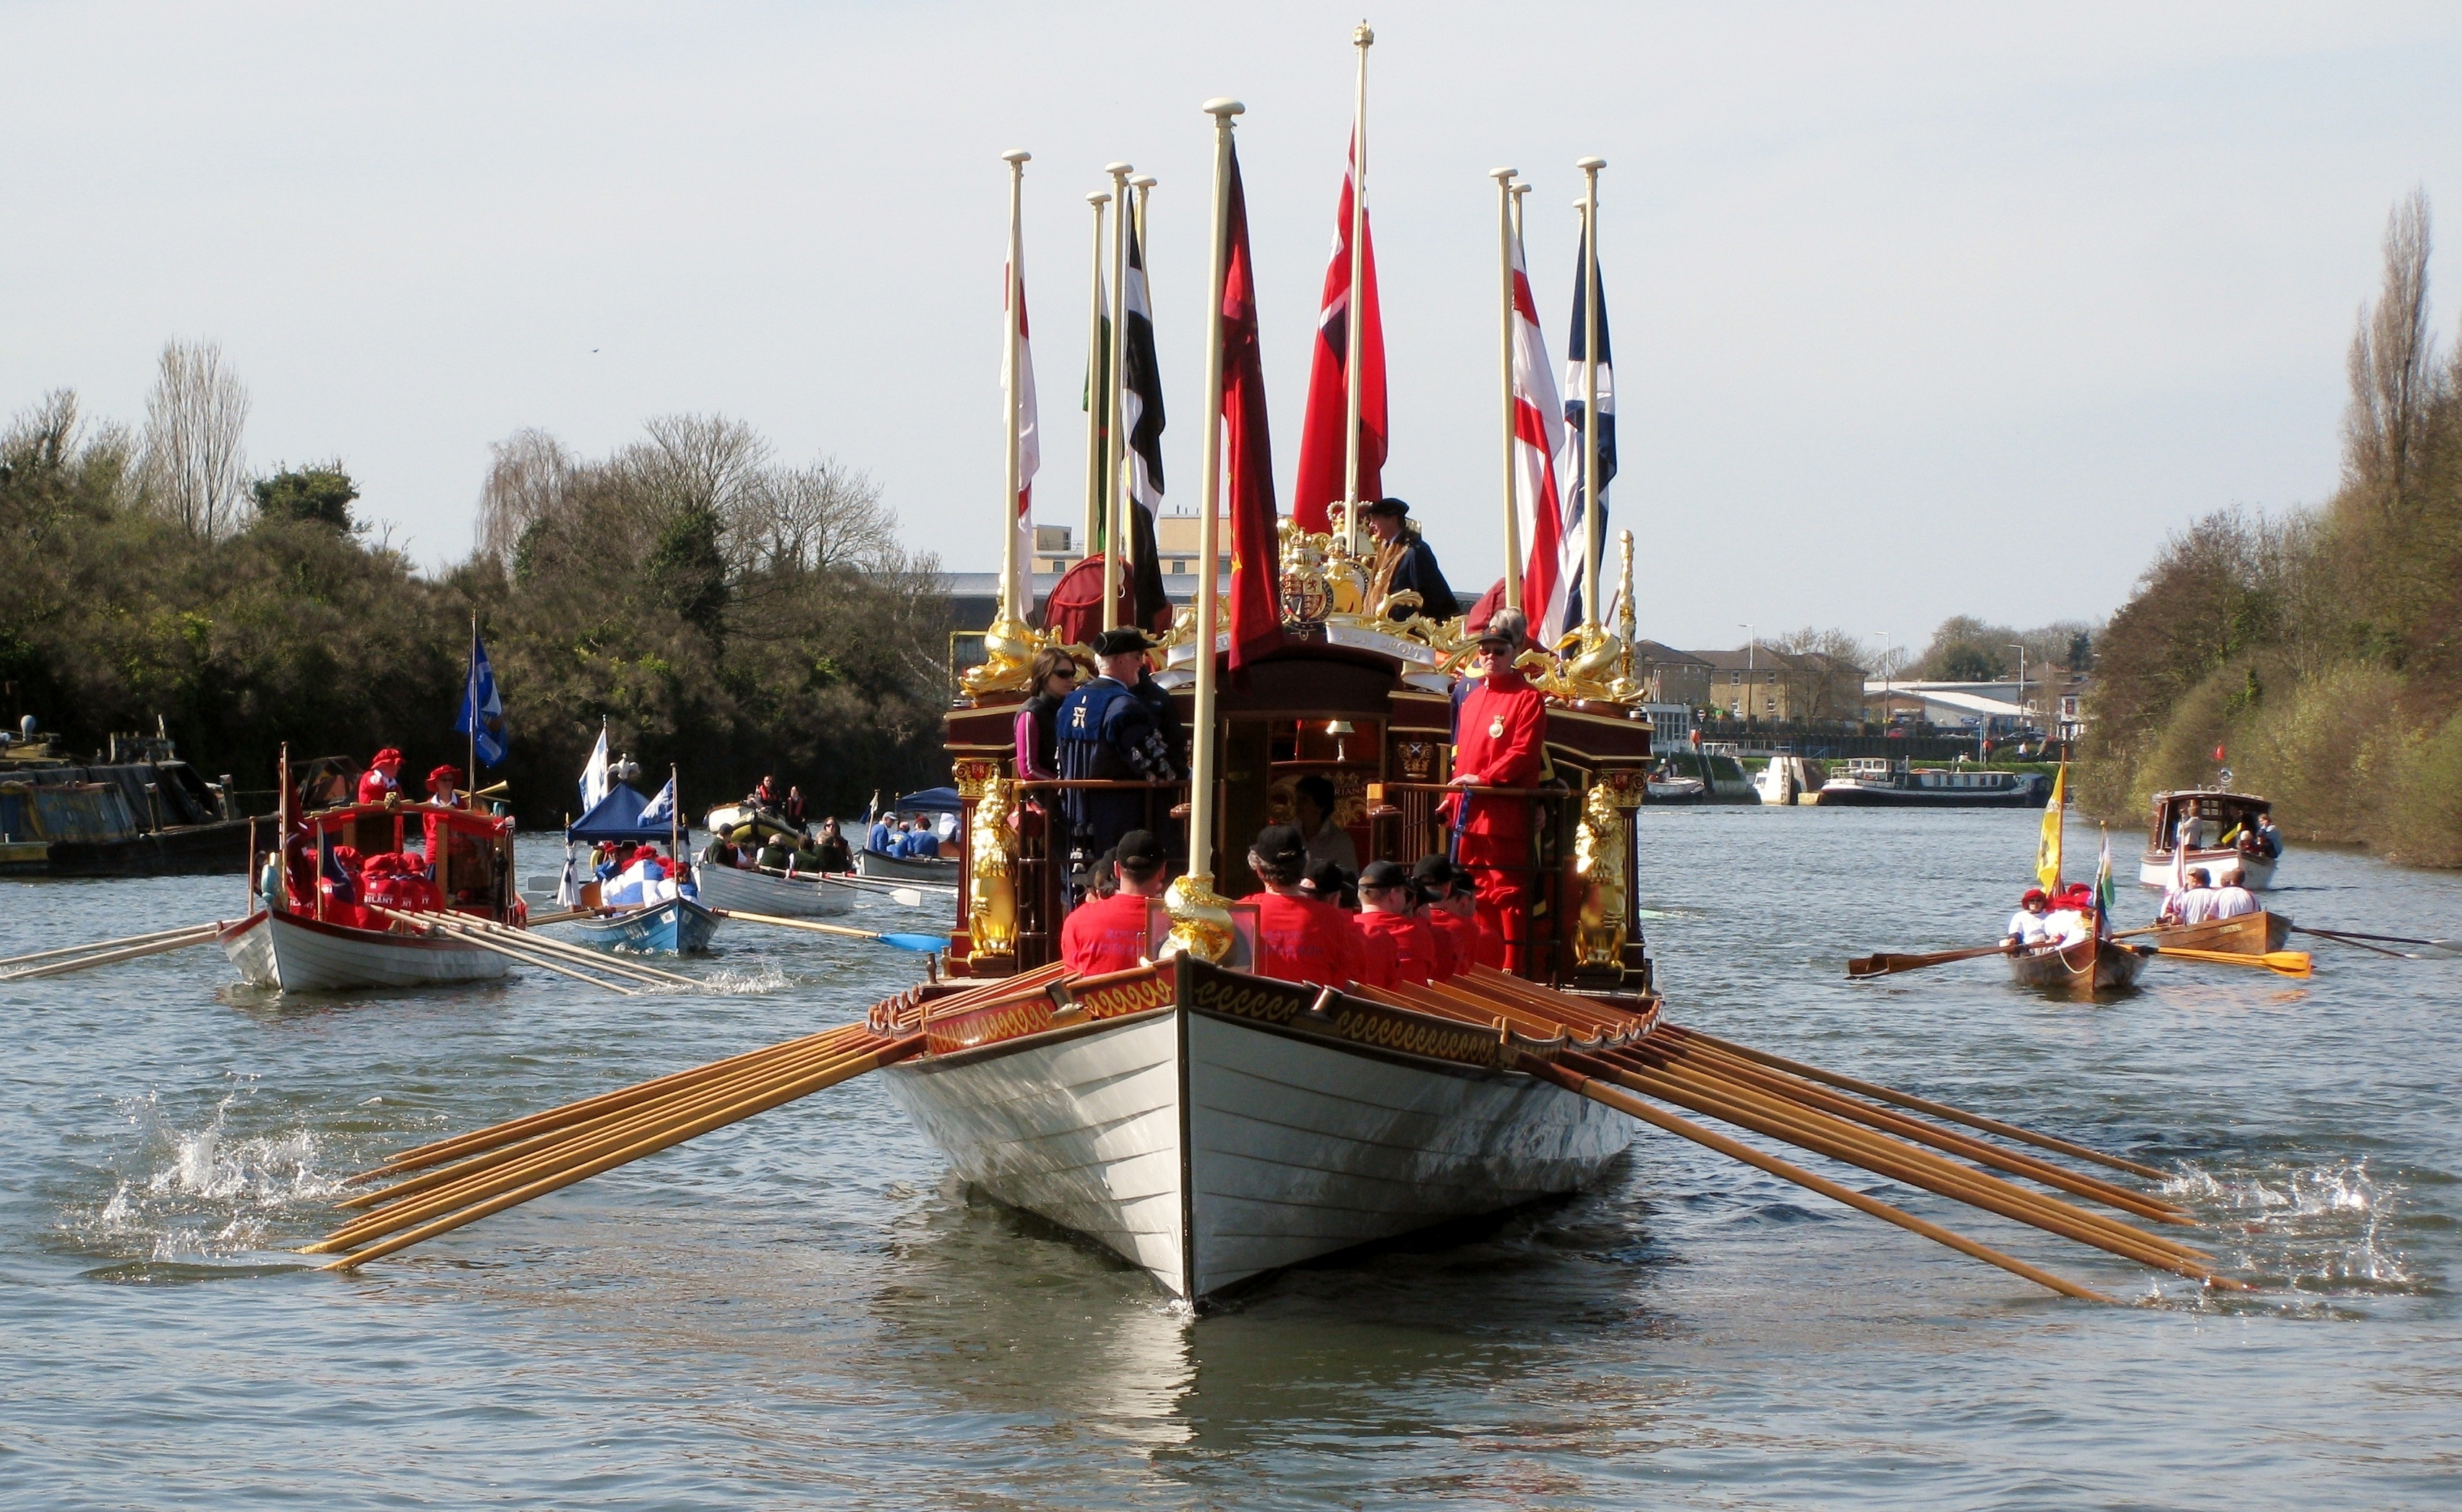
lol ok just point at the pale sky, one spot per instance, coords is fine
(1920, 309)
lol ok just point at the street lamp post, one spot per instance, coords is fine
(2021, 689)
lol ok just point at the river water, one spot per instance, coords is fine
(805, 1310)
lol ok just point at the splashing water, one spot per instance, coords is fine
(204, 1194)
(2323, 1227)
(745, 984)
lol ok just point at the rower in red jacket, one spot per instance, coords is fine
(1455, 928)
(1298, 938)
(1385, 901)
(382, 779)
(1108, 934)
(1500, 742)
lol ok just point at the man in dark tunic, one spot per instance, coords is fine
(1108, 733)
(1404, 562)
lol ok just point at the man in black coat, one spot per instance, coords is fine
(1404, 562)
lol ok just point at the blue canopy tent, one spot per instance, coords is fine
(930, 800)
(618, 816)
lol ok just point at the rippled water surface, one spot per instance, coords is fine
(805, 1310)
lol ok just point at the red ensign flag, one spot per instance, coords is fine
(1323, 454)
(1247, 452)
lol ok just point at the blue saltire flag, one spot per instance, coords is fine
(482, 710)
(662, 809)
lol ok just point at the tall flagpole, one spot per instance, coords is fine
(1209, 536)
(1094, 410)
(1363, 39)
(470, 698)
(1017, 160)
(1590, 531)
(1115, 539)
(1503, 177)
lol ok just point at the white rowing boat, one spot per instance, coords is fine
(295, 953)
(756, 891)
(1210, 1134)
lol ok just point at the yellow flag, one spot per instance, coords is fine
(2047, 854)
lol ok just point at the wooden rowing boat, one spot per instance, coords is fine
(1214, 1127)
(678, 927)
(2089, 968)
(2248, 935)
(295, 953)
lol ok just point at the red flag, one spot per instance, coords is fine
(1328, 399)
(2218, 754)
(1247, 451)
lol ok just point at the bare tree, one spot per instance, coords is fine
(529, 474)
(693, 463)
(43, 437)
(2395, 378)
(817, 519)
(195, 464)
(1818, 668)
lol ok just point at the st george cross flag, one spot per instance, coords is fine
(1247, 451)
(1538, 437)
(1029, 450)
(1322, 455)
(662, 809)
(482, 712)
(1568, 463)
(593, 776)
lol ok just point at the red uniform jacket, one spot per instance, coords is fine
(1377, 955)
(1500, 742)
(1415, 957)
(374, 785)
(1106, 934)
(1460, 937)
(1304, 940)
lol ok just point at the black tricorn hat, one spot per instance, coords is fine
(1392, 506)
(1120, 640)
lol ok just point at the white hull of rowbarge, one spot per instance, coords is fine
(302, 955)
(2255, 873)
(760, 893)
(1213, 1152)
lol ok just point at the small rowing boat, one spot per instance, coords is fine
(309, 932)
(2088, 969)
(675, 926)
(761, 890)
(2248, 935)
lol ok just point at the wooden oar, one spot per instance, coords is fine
(1922, 1105)
(195, 935)
(2281, 963)
(829, 1076)
(1898, 1162)
(2441, 949)
(922, 944)
(92, 945)
(525, 957)
(1884, 964)
(579, 955)
(1657, 1118)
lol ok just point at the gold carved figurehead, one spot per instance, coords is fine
(1599, 867)
(991, 850)
(1201, 921)
(1008, 658)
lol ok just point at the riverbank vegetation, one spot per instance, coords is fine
(720, 610)
(2319, 650)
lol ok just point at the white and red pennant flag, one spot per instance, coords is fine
(1538, 437)
(1323, 450)
(1020, 588)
